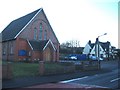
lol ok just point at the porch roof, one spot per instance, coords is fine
(40, 45)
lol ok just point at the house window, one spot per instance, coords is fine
(45, 35)
(105, 49)
(29, 53)
(35, 33)
(11, 48)
(22, 53)
(41, 31)
(101, 55)
(4, 49)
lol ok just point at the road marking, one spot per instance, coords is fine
(93, 86)
(96, 75)
(114, 79)
(73, 79)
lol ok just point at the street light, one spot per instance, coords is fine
(102, 35)
(97, 48)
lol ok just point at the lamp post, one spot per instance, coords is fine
(98, 49)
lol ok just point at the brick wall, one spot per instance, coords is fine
(36, 56)
(7, 71)
(7, 54)
(22, 44)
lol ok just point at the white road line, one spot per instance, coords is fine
(96, 75)
(93, 86)
(114, 79)
(73, 79)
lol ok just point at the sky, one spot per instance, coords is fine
(81, 20)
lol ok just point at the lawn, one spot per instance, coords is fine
(21, 69)
(25, 69)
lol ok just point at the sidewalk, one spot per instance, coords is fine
(70, 85)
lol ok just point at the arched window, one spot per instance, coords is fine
(45, 35)
(35, 33)
(4, 48)
(11, 48)
(41, 31)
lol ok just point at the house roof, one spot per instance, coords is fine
(105, 45)
(16, 26)
(91, 44)
(38, 45)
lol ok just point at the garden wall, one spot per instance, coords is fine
(7, 72)
(57, 68)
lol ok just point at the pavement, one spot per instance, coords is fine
(52, 81)
(67, 86)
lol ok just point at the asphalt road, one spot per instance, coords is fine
(109, 79)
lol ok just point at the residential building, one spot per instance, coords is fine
(105, 49)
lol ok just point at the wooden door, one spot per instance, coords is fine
(48, 54)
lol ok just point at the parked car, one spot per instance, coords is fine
(95, 58)
(66, 58)
(73, 57)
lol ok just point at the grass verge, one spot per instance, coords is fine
(21, 69)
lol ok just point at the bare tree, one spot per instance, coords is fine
(71, 47)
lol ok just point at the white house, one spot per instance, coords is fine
(104, 50)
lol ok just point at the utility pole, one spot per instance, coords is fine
(97, 49)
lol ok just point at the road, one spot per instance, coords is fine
(108, 79)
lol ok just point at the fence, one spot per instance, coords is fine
(90, 65)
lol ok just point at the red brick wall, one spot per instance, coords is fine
(37, 55)
(22, 44)
(7, 46)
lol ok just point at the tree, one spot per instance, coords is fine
(70, 47)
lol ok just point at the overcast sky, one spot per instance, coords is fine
(81, 20)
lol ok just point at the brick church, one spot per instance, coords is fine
(30, 37)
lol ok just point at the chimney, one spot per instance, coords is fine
(96, 40)
(89, 42)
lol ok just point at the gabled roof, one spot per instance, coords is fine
(91, 44)
(16, 26)
(105, 45)
(39, 45)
